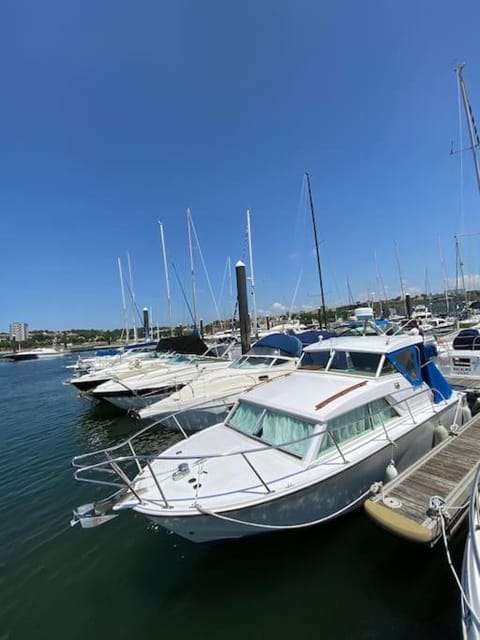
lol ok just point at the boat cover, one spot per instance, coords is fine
(426, 369)
(313, 336)
(107, 352)
(278, 343)
(183, 344)
(467, 339)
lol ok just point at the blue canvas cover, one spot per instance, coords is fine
(313, 336)
(425, 368)
(432, 375)
(284, 344)
(107, 352)
(413, 355)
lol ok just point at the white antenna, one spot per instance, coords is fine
(132, 294)
(252, 278)
(194, 294)
(167, 281)
(124, 304)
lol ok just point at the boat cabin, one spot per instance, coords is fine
(342, 389)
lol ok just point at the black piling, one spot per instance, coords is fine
(146, 323)
(242, 299)
(408, 305)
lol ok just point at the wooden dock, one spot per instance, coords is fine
(467, 383)
(445, 473)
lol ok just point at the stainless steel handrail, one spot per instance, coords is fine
(127, 482)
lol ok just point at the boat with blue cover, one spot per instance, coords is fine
(292, 453)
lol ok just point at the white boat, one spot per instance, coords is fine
(459, 359)
(126, 365)
(36, 354)
(131, 362)
(295, 452)
(270, 357)
(137, 391)
(471, 568)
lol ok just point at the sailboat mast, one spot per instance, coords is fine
(230, 288)
(472, 129)
(401, 278)
(124, 304)
(252, 277)
(382, 299)
(132, 293)
(444, 276)
(460, 268)
(192, 272)
(317, 250)
(167, 280)
(349, 293)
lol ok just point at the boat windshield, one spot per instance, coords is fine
(250, 362)
(272, 427)
(353, 362)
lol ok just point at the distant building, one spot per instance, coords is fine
(19, 331)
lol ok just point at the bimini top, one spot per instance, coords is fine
(277, 344)
(371, 344)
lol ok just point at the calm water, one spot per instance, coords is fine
(125, 579)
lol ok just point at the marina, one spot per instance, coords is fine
(240, 321)
(58, 574)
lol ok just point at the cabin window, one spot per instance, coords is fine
(314, 360)
(280, 361)
(248, 362)
(356, 423)
(272, 427)
(355, 362)
(245, 418)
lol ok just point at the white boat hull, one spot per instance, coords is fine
(315, 502)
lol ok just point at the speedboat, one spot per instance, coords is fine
(471, 567)
(204, 397)
(293, 452)
(35, 354)
(137, 391)
(131, 362)
(122, 366)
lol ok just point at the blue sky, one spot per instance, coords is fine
(116, 114)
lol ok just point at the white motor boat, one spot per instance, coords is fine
(295, 452)
(127, 365)
(471, 567)
(35, 354)
(459, 360)
(202, 399)
(137, 391)
(131, 363)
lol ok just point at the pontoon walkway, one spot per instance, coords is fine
(410, 505)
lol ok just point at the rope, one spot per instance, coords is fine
(276, 527)
(455, 575)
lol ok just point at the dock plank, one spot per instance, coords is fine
(445, 472)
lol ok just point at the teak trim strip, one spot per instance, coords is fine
(323, 403)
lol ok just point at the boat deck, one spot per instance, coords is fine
(446, 473)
